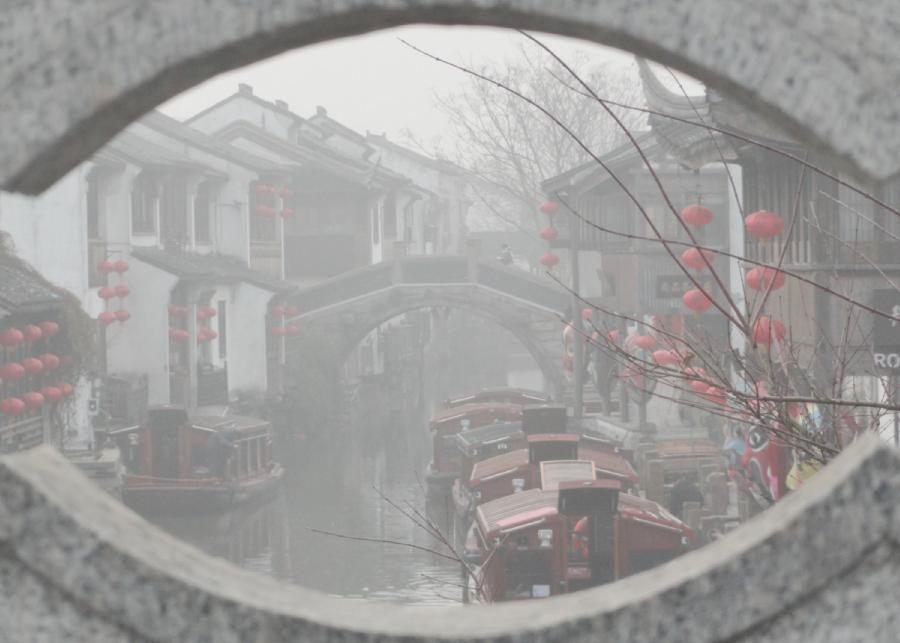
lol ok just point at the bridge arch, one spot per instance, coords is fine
(350, 306)
(81, 73)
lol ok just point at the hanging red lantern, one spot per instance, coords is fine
(278, 331)
(290, 310)
(211, 334)
(208, 312)
(549, 233)
(696, 300)
(764, 224)
(766, 329)
(699, 386)
(176, 310)
(201, 336)
(694, 258)
(32, 333)
(106, 293)
(123, 315)
(122, 290)
(690, 371)
(265, 188)
(645, 342)
(716, 395)
(292, 330)
(549, 208)
(12, 406)
(12, 337)
(66, 360)
(697, 214)
(12, 371)
(106, 317)
(33, 400)
(613, 335)
(32, 365)
(278, 311)
(287, 193)
(664, 357)
(49, 328)
(106, 266)
(66, 389)
(587, 313)
(121, 266)
(266, 211)
(51, 393)
(50, 361)
(287, 213)
(764, 278)
(549, 260)
(178, 334)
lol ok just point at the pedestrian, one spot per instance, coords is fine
(505, 257)
(684, 490)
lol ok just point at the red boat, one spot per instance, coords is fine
(571, 533)
(174, 462)
(445, 463)
(520, 396)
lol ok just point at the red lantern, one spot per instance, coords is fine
(178, 334)
(549, 208)
(106, 267)
(106, 317)
(766, 329)
(122, 315)
(587, 313)
(33, 400)
(174, 310)
(208, 312)
(764, 278)
(12, 406)
(290, 310)
(12, 337)
(764, 224)
(697, 215)
(50, 361)
(292, 330)
(278, 331)
(287, 213)
(211, 334)
(264, 188)
(693, 258)
(549, 234)
(287, 193)
(51, 393)
(67, 389)
(716, 395)
(696, 300)
(32, 365)
(106, 293)
(32, 333)
(645, 342)
(664, 357)
(121, 266)
(698, 386)
(613, 335)
(266, 211)
(122, 290)
(49, 328)
(278, 311)
(12, 371)
(549, 260)
(690, 371)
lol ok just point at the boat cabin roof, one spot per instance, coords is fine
(498, 466)
(524, 395)
(517, 511)
(467, 410)
(229, 423)
(642, 510)
(608, 463)
(702, 448)
(557, 472)
(488, 434)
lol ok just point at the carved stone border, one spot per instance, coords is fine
(74, 73)
(822, 565)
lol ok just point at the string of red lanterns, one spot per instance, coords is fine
(550, 233)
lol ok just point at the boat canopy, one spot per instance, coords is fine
(555, 472)
(517, 511)
(505, 395)
(468, 410)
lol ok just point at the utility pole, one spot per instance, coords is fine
(577, 322)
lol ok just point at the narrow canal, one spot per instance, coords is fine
(334, 483)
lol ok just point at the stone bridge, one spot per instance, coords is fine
(823, 565)
(357, 302)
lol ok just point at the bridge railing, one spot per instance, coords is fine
(522, 285)
(350, 285)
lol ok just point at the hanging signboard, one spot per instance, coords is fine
(885, 331)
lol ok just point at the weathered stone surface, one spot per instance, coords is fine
(822, 565)
(75, 73)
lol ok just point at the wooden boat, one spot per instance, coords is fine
(571, 533)
(210, 463)
(445, 462)
(520, 396)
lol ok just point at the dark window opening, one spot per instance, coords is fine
(203, 213)
(223, 351)
(144, 204)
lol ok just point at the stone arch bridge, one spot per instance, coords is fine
(353, 304)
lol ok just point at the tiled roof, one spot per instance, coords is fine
(188, 265)
(21, 289)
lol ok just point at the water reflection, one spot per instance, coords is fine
(333, 484)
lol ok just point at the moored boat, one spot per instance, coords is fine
(520, 396)
(207, 463)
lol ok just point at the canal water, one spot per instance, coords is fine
(334, 483)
